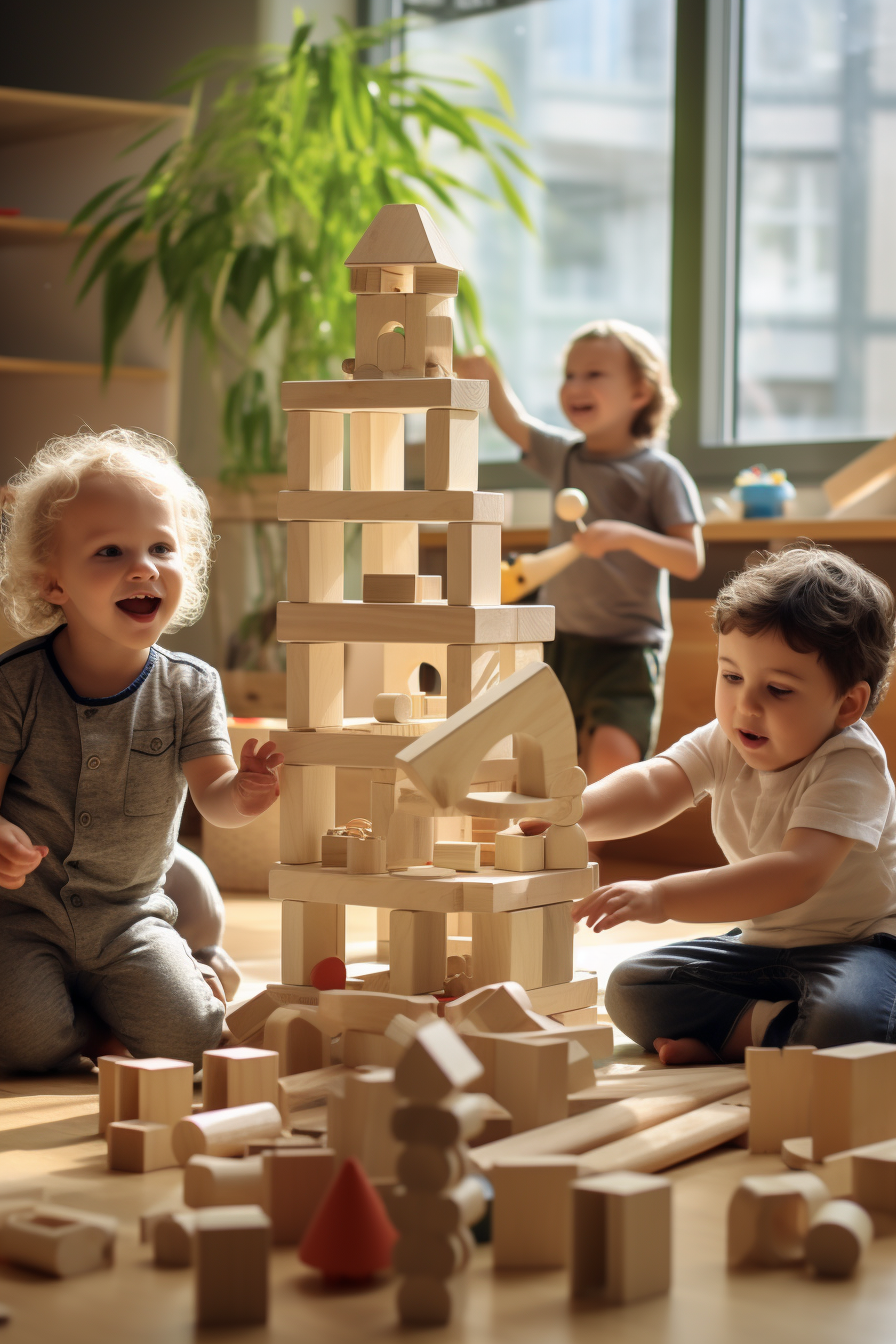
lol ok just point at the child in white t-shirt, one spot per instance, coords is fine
(804, 809)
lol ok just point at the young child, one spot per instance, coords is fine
(803, 807)
(644, 516)
(107, 544)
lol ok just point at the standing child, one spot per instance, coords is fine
(644, 515)
(804, 810)
(107, 544)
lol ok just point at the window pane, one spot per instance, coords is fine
(817, 279)
(592, 84)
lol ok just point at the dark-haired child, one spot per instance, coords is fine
(803, 807)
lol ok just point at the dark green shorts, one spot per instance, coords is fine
(617, 684)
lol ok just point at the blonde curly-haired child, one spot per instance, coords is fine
(106, 544)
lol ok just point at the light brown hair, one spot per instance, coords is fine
(648, 365)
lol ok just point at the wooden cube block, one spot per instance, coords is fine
(565, 847)
(231, 1257)
(238, 1076)
(172, 1240)
(417, 951)
(508, 946)
(451, 452)
(307, 809)
(221, 1181)
(461, 855)
(517, 853)
(780, 1093)
(769, 1216)
(334, 851)
(435, 706)
(314, 450)
(531, 1214)
(315, 675)
(157, 1089)
(139, 1145)
(531, 1080)
(297, 1035)
(389, 548)
(377, 450)
(310, 931)
(294, 1183)
(853, 1097)
(474, 564)
(873, 1183)
(622, 1236)
(472, 670)
(367, 855)
(248, 1018)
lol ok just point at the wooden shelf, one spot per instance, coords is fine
(29, 115)
(18, 229)
(762, 530)
(13, 364)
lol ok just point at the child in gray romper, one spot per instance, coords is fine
(106, 544)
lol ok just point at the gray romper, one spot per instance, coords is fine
(100, 783)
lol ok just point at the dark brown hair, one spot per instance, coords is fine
(822, 602)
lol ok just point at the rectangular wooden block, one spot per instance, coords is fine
(377, 451)
(508, 946)
(417, 951)
(314, 685)
(461, 855)
(157, 1089)
(366, 1130)
(557, 935)
(139, 1145)
(472, 670)
(309, 933)
(307, 811)
(428, 623)
(367, 1010)
(314, 450)
(451, 453)
(780, 1094)
(622, 1236)
(531, 1212)
(405, 395)
(474, 564)
(314, 562)
(390, 548)
(333, 851)
(853, 1097)
(391, 506)
(531, 1081)
(402, 588)
(238, 1076)
(294, 1181)
(519, 853)
(873, 1183)
(231, 1255)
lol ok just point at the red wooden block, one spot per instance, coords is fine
(329, 974)
(351, 1236)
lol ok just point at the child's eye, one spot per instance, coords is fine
(781, 691)
(162, 548)
(108, 552)
(733, 678)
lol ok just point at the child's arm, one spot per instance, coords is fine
(633, 800)
(507, 410)
(745, 890)
(679, 549)
(228, 795)
(18, 857)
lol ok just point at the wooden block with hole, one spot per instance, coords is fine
(401, 588)
(853, 1097)
(518, 853)
(531, 1214)
(294, 1181)
(417, 951)
(531, 1078)
(211, 1182)
(231, 1258)
(299, 1039)
(314, 450)
(315, 676)
(310, 931)
(622, 1236)
(307, 811)
(314, 561)
(238, 1076)
(474, 564)
(58, 1240)
(780, 1094)
(472, 670)
(769, 1216)
(376, 450)
(139, 1145)
(451, 453)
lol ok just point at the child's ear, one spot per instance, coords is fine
(641, 393)
(853, 704)
(51, 592)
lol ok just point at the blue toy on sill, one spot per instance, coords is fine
(763, 493)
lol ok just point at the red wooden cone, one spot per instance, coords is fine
(350, 1236)
(329, 974)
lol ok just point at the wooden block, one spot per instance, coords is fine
(439, 344)
(780, 1091)
(437, 1256)
(474, 564)
(518, 655)
(391, 708)
(839, 1234)
(219, 1181)
(309, 933)
(366, 854)
(769, 1216)
(423, 1166)
(231, 1256)
(580, 1070)
(461, 855)
(864, 488)
(366, 1129)
(298, 1037)
(435, 280)
(418, 951)
(873, 1176)
(157, 1089)
(519, 853)
(835, 1170)
(139, 1145)
(294, 1182)
(403, 623)
(402, 588)
(224, 1133)
(530, 1080)
(314, 450)
(531, 1214)
(390, 548)
(472, 670)
(108, 1067)
(496, 1008)
(249, 1017)
(435, 706)
(408, 507)
(441, 1213)
(238, 1076)
(314, 562)
(58, 1240)
(363, 1010)
(853, 1097)
(406, 395)
(565, 847)
(673, 1141)
(426, 1300)
(508, 946)
(315, 676)
(451, 453)
(580, 992)
(368, 1047)
(443, 1124)
(438, 1062)
(622, 1237)
(557, 935)
(334, 851)
(377, 451)
(307, 810)
(390, 352)
(172, 1239)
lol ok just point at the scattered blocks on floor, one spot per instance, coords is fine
(769, 1216)
(853, 1097)
(218, 1181)
(231, 1258)
(139, 1145)
(622, 1236)
(238, 1077)
(57, 1240)
(531, 1215)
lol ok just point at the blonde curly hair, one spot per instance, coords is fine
(648, 364)
(35, 498)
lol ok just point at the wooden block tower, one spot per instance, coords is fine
(405, 277)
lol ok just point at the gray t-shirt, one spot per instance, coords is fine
(620, 598)
(100, 781)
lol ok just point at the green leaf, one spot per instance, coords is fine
(96, 201)
(121, 293)
(520, 164)
(110, 254)
(497, 83)
(494, 123)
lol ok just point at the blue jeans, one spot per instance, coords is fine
(841, 992)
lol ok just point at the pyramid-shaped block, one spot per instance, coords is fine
(403, 235)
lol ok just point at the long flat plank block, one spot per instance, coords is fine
(487, 894)
(398, 622)
(391, 506)
(407, 395)
(676, 1140)
(309, 882)
(366, 751)
(579, 992)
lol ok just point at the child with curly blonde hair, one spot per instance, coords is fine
(106, 544)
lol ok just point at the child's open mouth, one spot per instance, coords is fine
(142, 608)
(751, 739)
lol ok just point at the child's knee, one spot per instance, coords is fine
(183, 1032)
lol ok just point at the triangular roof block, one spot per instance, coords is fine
(403, 235)
(438, 1062)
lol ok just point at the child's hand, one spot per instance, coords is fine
(18, 857)
(619, 902)
(600, 538)
(475, 366)
(257, 785)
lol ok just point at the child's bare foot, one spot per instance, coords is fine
(687, 1050)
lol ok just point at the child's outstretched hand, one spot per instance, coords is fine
(257, 784)
(18, 857)
(608, 534)
(476, 365)
(619, 902)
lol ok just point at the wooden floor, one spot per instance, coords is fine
(48, 1131)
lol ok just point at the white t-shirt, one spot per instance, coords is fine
(845, 788)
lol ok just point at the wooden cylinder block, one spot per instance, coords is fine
(224, 1133)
